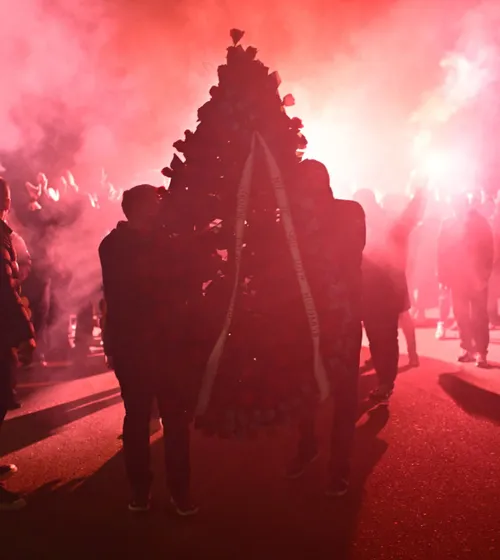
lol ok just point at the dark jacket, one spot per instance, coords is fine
(332, 235)
(465, 252)
(15, 326)
(145, 292)
(385, 286)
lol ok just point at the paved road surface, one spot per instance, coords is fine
(426, 481)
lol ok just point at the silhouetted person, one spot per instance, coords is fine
(37, 286)
(331, 236)
(16, 333)
(405, 216)
(465, 262)
(385, 288)
(144, 329)
(494, 285)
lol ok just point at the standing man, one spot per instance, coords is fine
(385, 288)
(465, 263)
(331, 235)
(146, 323)
(16, 333)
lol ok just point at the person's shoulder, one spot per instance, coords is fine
(108, 243)
(348, 209)
(349, 205)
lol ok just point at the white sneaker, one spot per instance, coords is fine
(440, 331)
(185, 508)
(337, 488)
(6, 471)
(482, 361)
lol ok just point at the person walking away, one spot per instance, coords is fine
(465, 263)
(145, 328)
(16, 333)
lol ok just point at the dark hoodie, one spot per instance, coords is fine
(145, 290)
(15, 326)
(385, 258)
(465, 252)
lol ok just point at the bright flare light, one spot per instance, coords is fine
(438, 165)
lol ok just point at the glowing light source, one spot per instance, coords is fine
(438, 164)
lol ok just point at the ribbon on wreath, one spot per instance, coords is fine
(243, 195)
(305, 290)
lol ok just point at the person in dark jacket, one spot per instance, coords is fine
(405, 216)
(385, 288)
(465, 263)
(144, 334)
(16, 333)
(331, 236)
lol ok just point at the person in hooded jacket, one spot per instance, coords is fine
(385, 287)
(16, 334)
(465, 264)
(144, 337)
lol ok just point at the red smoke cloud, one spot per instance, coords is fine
(125, 78)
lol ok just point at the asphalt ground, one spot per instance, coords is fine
(425, 484)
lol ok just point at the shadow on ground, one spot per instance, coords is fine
(249, 510)
(25, 430)
(474, 400)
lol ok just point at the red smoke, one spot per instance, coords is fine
(128, 76)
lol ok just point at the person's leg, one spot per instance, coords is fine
(9, 501)
(493, 291)
(345, 397)
(444, 308)
(480, 324)
(58, 320)
(37, 289)
(176, 438)
(462, 312)
(444, 304)
(5, 383)
(84, 329)
(382, 332)
(14, 403)
(137, 398)
(408, 327)
(307, 448)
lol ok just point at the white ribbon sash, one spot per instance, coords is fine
(305, 290)
(243, 195)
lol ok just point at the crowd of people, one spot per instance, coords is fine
(403, 257)
(56, 227)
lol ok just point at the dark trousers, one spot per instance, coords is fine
(382, 331)
(139, 394)
(470, 307)
(84, 326)
(345, 409)
(493, 296)
(37, 288)
(6, 394)
(444, 304)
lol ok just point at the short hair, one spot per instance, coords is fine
(4, 194)
(316, 170)
(133, 198)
